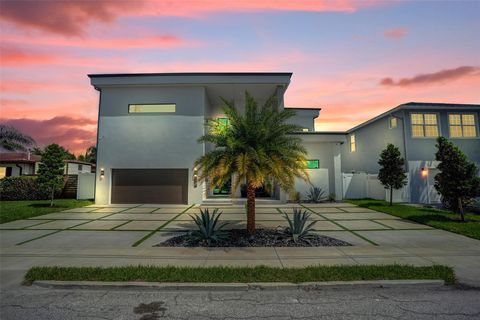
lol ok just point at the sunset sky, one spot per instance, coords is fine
(354, 59)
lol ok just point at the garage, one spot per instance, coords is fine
(168, 186)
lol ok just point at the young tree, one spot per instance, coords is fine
(255, 147)
(392, 172)
(458, 180)
(50, 171)
(12, 139)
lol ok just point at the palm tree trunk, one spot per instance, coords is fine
(250, 208)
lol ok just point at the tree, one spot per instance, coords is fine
(67, 155)
(50, 171)
(392, 174)
(458, 180)
(12, 139)
(91, 154)
(254, 148)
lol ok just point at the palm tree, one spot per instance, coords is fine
(254, 148)
(12, 139)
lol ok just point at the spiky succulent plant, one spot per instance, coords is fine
(298, 228)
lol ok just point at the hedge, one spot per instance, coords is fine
(22, 188)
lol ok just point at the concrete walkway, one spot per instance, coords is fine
(125, 235)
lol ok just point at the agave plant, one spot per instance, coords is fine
(209, 229)
(297, 226)
(316, 194)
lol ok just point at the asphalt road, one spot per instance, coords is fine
(333, 303)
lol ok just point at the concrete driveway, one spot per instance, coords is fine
(126, 234)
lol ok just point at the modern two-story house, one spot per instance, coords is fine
(149, 124)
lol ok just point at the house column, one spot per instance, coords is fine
(337, 171)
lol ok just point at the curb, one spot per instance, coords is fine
(270, 286)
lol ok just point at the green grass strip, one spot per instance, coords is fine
(241, 274)
(148, 235)
(440, 219)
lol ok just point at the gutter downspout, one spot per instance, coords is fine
(20, 168)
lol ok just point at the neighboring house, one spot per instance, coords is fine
(74, 167)
(149, 124)
(18, 164)
(25, 163)
(413, 127)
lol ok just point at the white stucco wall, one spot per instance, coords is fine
(148, 141)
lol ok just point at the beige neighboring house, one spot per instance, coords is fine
(14, 164)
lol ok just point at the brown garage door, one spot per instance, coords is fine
(169, 186)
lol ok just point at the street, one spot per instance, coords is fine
(334, 303)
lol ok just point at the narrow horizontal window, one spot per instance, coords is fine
(313, 164)
(152, 108)
(305, 130)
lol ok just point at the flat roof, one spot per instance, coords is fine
(100, 75)
(415, 105)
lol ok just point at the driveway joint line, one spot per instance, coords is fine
(42, 236)
(136, 244)
(344, 228)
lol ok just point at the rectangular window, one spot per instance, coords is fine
(313, 164)
(393, 122)
(223, 122)
(152, 108)
(353, 145)
(424, 125)
(80, 167)
(462, 125)
(305, 130)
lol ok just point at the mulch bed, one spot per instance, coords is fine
(262, 238)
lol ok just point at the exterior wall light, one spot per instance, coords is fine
(424, 171)
(102, 173)
(195, 177)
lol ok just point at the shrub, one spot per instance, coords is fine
(208, 230)
(316, 194)
(295, 197)
(22, 188)
(297, 227)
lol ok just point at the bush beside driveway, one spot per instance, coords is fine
(440, 219)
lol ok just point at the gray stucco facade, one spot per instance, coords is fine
(168, 140)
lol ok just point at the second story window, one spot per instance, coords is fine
(152, 108)
(353, 145)
(424, 125)
(462, 125)
(393, 122)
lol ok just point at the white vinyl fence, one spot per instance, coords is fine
(86, 186)
(362, 185)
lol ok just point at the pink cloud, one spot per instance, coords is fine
(395, 33)
(72, 18)
(12, 56)
(75, 134)
(155, 41)
(441, 76)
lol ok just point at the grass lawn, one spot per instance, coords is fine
(15, 210)
(240, 274)
(440, 219)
